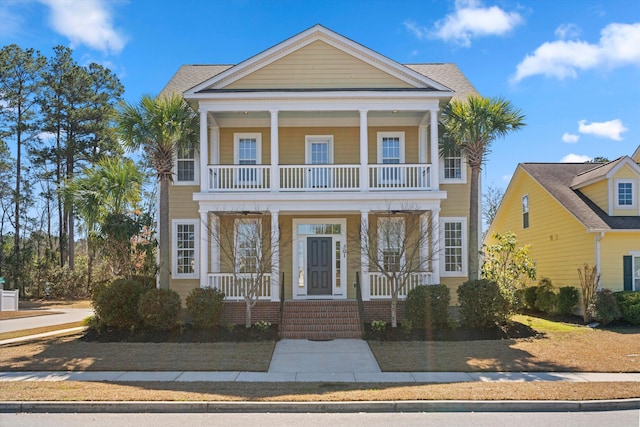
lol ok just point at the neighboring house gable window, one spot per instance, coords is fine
(525, 211)
(390, 241)
(185, 166)
(248, 151)
(185, 249)
(454, 241)
(625, 194)
(453, 169)
(247, 242)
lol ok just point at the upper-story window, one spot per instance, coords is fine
(525, 211)
(625, 193)
(453, 168)
(390, 152)
(247, 151)
(185, 166)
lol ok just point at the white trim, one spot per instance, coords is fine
(528, 208)
(196, 248)
(381, 243)
(635, 269)
(309, 139)
(300, 292)
(236, 242)
(196, 168)
(247, 135)
(465, 247)
(399, 135)
(463, 170)
(634, 193)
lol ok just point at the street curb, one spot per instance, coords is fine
(321, 407)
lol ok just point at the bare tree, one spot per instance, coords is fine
(249, 248)
(398, 245)
(491, 199)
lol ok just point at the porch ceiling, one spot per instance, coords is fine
(317, 118)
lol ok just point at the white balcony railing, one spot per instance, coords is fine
(235, 286)
(239, 177)
(320, 177)
(380, 286)
(399, 177)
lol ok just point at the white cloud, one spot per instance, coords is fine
(610, 130)
(575, 158)
(86, 22)
(567, 31)
(470, 20)
(619, 45)
(570, 138)
(418, 31)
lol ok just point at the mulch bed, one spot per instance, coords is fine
(185, 334)
(510, 331)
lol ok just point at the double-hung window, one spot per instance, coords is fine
(185, 248)
(248, 151)
(185, 166)
(390, 243)
(454, 241)
(453, 169)
(390, 152)
(525, 211)
(248, 239)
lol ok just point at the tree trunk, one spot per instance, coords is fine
(16, 237)
(163, 229)
(247, 314)
(474, 194)
(394, 316)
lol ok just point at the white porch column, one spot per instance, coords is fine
(275, 150)
(364, 151)
(204, 249)
(204, 152)
(275, 256)
(436, 246)
(364, 257)
(435, 151)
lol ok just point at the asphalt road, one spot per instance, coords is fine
(67, 315)
(446, 419)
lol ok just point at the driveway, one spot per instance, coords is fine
(65, 315)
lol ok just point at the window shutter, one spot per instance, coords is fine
(628, 272)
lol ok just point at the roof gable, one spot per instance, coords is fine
(603, 171)
(365, 56)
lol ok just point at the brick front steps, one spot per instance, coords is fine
(320, 319)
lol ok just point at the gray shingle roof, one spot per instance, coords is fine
(594, 173)
(557, 179)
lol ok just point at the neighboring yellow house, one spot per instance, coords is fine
(306, 141)
(572, 214)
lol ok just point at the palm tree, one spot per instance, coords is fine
(159, 126)
(469, 128)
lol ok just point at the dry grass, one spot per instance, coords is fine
(312, 392)
(53, 304)
(41, 330)
(69, 353)
(25, 313)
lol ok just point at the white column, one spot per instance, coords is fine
(435, 151)
(275, 256)
(436, 246)
(364, 151)
(275, 150)
(204, 153)
(364, 257)
(204, 249)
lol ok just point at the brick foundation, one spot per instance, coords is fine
(234, 312)
(381, 310)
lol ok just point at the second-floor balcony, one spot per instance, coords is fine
(325, 177)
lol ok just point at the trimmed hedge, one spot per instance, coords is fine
(606, 308)
(546, 298)
(568, 297)
(428, 306)
(116, 304)
(205, 306)
(629, 303)
(482, 305)
(158, 309)
(530, 297)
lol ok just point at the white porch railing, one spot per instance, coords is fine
(239, 177)
(320, 177)
(400, 176)
(380, 286)
(234, 286)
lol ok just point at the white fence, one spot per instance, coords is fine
(381, 286)
(9, 300)
(235, 286)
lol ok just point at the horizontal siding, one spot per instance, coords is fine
(346, 144)
(613, 247)
(318, 65)
(227, 143)
(625, 172)
(559, 244)
(183, 287)
(457, 202)
(598, 193)
(410, 142)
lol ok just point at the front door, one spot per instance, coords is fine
(319, 266)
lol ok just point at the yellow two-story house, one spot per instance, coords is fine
(577, 213)
(309, 140)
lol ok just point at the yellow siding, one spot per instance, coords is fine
(598, 193)
(346, 144)
(559, 243)
(318, 65)
(410, 142)
(457, 202)
(227, 143)
(625, 173)
(613, 247)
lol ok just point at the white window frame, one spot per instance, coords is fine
(634, 193)
(321, 177)
(310, 139)
(525, 210)
(465, 247)
(399, 135)
(382, 243)
(635, 270)
(463, 170)
(258, 247)
(196, 168)
(236, 155)
(400, 178)
(174, 249)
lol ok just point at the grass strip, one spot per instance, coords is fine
(35, 331)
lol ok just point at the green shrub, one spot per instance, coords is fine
(606, 308)
(530, 297)
(568, 297)
(158, 309)
(116, 304)
(629, 304)
(147, 282)
(482, 304)
(546, 298)
(205, 306)
(428, 306)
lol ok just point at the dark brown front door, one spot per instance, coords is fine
(319, 266)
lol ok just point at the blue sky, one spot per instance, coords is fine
(571, 66)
